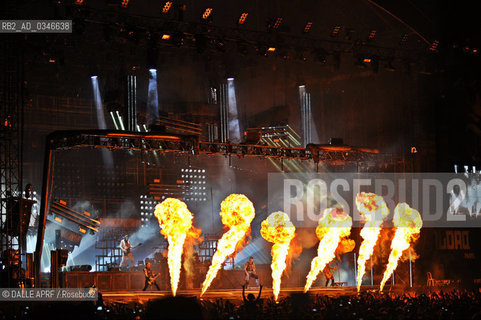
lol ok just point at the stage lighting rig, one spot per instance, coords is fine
(335, 31)
(207, 13)
(242, 18)
(167, 7)
(308, 27)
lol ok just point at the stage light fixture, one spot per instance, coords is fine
(79, 2)
(277, 23)
(207, 13)
(166, 36)
(125, 3)
(434, 46)
(404, 38)
(372, 34)
(335, 31)
(271, 49)
(166, 7)
(242, 18)
(308, 26)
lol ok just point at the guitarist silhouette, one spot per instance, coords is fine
(127, 251)
(149, 277)
(328, 274)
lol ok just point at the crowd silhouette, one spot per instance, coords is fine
(452, 304)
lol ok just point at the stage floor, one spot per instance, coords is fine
(231, 294)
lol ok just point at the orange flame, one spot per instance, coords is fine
(408, 225)
(237, 213)
(373, 210)
(334, 226)
(278, 229)
(175, 221)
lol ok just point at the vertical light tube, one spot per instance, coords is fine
(106, 155)
(153, 97)
(234, 127)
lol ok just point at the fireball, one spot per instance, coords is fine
(175, 222)
(278, 229)
(334, 226)
(408, 225)
(373, 210)
(237, 212)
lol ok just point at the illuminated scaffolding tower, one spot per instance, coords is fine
(11, 113)
(305, 104)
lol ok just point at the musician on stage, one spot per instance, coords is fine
(126, 248)
(328, 274)
(250, 271)
(150, 279)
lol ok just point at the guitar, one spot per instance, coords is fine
(127, 251)
(328, 272)
(152, 279)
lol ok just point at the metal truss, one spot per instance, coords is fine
(148, 141)
(11, 106)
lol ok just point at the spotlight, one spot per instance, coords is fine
(207, 13)
(166, 36)
(271, 49)
(79, 2)
(93, 77)
(166, 7)
(372, 34)
(277, 23)
(308, 26)
(434, 46)
(125, 3)
(230, 79)
(242, 18)
(152, 70)
(335, 31)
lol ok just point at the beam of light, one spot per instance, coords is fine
(234, 127)
(334, 227)
(373, 211)
(279, 230)
(101, 123)
(237, 213)
(408, 224)
(175, 221)
(152, 98)
(120, 120)
(114, 121)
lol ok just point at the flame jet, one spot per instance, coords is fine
(373, 211)
(408, 225)
(278, 229)
(237, 213)
(334, 226)
(175, 221)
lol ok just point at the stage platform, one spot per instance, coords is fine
(235, 295)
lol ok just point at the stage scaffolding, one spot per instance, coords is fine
(188, 145)
(11, 201)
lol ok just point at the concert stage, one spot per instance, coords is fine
(234, 295)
